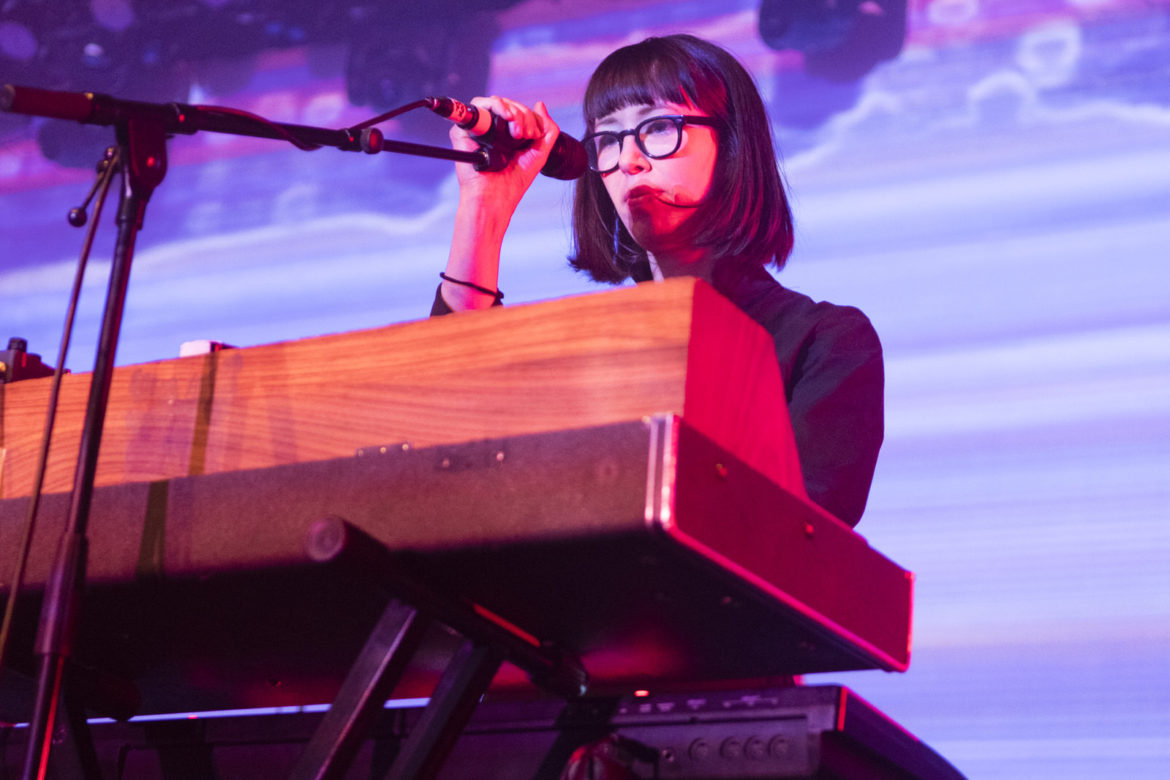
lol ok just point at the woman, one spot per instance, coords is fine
(684, 181)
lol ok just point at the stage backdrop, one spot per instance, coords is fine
(988, 179)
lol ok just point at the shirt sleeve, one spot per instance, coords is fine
(440, 307)
(836, 406)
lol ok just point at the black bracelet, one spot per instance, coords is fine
(499, 296)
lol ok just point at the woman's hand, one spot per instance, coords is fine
(488, 199)
(507, 186)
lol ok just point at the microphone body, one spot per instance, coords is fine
(566, 161)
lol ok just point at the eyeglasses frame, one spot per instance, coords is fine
(680, 120)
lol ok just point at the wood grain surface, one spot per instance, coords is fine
(569, 363)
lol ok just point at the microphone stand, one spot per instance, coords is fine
(141, 131)
(142, 157)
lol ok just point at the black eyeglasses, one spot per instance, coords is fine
(657, 137)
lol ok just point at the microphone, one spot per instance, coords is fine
(566, 161)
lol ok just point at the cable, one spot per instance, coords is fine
(280, 131)
(390, 114)
(291, 138)
(51, 413)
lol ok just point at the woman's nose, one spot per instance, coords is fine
(630, 157)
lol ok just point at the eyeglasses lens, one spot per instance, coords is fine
(660, 137)
(605, 150)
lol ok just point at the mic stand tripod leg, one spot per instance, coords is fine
(74, 755)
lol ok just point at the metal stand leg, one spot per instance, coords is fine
(464, 681)
(487, 641)
(366, 687)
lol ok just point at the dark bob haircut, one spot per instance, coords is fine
(745, 217)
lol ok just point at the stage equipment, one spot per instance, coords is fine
(18, 363)
(823, 732)
(156, 52)
(551, 481)
(841, 40)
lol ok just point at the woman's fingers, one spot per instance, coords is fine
(532, 125)
(523, 122)
(548, 126)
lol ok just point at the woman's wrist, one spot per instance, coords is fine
(475, 254)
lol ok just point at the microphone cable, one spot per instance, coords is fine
(109, 163)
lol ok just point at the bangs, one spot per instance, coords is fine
(655, 70)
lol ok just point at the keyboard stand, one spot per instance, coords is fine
(411, 610)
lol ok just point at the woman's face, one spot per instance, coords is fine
(653, 197)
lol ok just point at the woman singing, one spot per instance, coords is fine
(684, 180)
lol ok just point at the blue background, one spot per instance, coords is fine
(996, 198)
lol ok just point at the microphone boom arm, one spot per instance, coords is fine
(92, 108)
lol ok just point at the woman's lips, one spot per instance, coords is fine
(642, 194)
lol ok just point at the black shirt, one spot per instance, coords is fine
(831, 362)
